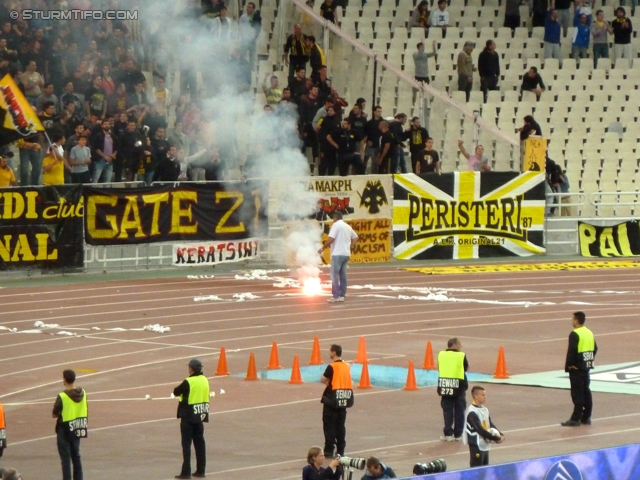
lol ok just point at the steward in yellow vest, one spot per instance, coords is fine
(452, 386)
(70, 408)
(193, 412)
(581, 355)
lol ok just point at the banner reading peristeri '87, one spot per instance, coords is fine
(464, 215)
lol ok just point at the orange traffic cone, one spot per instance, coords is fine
(364, 377)
(411, 378)
(501, 367)
(274, 361)
(429, 364)
(252, 374)
(296, 378)
(316, 357)
(361, 357)
(222, 363)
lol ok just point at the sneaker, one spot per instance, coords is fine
(199, 475)
(586, 421)
(571, 423)
(333, 300)
(447, 438)
(340, 299)
(182, 476)
(458, 439)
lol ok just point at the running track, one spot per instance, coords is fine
(263, 429)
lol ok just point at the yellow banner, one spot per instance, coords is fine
(20, 120)
(535, 154)
(374, 243)
(524, 267)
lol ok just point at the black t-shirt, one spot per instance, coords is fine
(96, 98)
(372, 131)
(328, 12)
(387, 138)
(425, 166)
(358, 125)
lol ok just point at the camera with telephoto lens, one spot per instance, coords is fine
(434, 466)
(358, 463)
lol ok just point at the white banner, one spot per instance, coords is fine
(196, 254)
(356, 197)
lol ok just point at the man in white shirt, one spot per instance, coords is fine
(341, 239)
(440, 17)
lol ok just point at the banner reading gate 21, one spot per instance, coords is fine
(465, 215)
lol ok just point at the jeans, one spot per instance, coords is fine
(623, 51)
(552, 50)
(579, 52)
(399, 163)
(564, 17)
(33, 158)
(464, 85)
(453, 412)
(634, 4)
(82, 177)
(346, 160)
(372, 153)
(69, 450)
(192, 432)
(339, 275)
(147, 178)
(102, 170)
(488, 83)
(600, 50)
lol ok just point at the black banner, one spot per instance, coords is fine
(621, 240)
(176, 212)
(41, 227)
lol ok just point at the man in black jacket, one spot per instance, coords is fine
(347, 146)
(168, 167)
(489, 68)
(104, 150)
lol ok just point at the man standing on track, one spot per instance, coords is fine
(337, 397)
(580, 357)
(341, 238)
(193, 412)
(452, 387)
(70, 408)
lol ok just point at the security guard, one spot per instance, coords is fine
(70, 408)
(580, 357)
(452, 387)
(3, 434)
(193, 412)
(337, 397)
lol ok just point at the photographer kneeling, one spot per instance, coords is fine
(315, 471)
(377, 469)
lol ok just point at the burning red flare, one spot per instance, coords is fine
(312, 286)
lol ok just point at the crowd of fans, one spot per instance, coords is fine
(105, 120)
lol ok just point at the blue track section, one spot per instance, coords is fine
(382, 376)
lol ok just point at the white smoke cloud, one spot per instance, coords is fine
(236, 122)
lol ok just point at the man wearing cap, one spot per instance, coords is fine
(341, 238)
(193, 412)
(466, 69)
